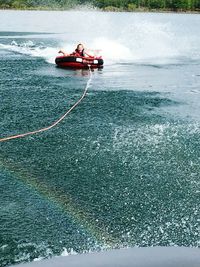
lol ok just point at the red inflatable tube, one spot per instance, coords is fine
(78, 62)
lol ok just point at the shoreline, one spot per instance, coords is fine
(160, 11)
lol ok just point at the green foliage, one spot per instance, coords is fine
(131, 7)
(107, 5)
(18, 5)
(38, 4)
(156, 4)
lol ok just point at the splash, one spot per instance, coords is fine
(137, 39)
(144, 42)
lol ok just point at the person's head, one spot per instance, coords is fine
(80, 47)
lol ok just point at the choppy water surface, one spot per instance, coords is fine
(123, 169)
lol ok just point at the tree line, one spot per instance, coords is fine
(37, 4)
(107, 5)
(131, 5)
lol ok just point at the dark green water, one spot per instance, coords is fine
(121, 170)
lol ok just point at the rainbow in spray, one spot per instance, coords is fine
(63, 201)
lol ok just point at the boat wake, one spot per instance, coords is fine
(31, 49)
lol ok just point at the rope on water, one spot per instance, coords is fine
(57, 121)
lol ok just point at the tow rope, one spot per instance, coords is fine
(57, 121)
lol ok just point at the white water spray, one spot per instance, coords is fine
(124, 37)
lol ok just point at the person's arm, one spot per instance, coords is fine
(86, 54)
(62, 52)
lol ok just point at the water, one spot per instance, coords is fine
(123, 169)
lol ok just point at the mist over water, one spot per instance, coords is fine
(123, 169)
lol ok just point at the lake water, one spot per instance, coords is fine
(123, 169)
